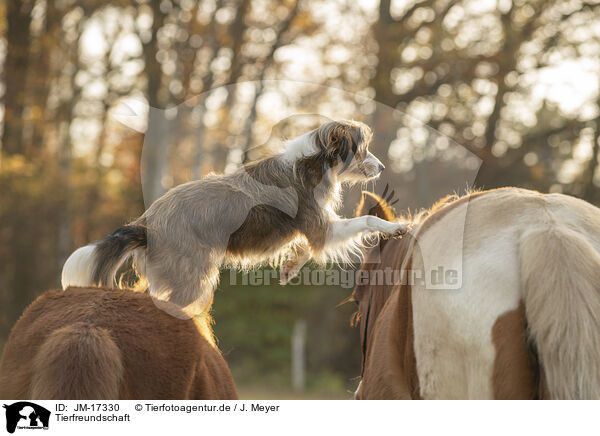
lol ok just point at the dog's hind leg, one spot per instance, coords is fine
(186, 279)
(292, 267)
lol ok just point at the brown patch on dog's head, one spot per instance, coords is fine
(343, 140)
(344, 145)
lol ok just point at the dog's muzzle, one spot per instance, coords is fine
(374, 166)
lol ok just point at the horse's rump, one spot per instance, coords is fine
(114, 344)
(524, 320)
(77, 362)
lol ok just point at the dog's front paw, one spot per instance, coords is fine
(395, 230)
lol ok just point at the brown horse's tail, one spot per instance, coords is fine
(77, 362)
(560, 273)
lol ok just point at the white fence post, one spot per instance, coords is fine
(299, 355)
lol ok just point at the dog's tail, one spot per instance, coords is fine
(560, 273)
(97, 264)
(77, 362)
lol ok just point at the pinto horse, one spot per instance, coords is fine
(108, 344)
(513, 312)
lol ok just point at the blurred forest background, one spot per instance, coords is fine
(474, 92)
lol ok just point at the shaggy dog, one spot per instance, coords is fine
(279, 209)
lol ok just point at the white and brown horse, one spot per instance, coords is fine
(513, 312)
(108, 344)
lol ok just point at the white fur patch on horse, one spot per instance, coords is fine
(453, 325)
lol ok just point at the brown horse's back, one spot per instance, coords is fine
(91, 343)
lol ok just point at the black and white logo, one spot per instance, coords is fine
(26, 415)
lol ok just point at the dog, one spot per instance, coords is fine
(281, 209)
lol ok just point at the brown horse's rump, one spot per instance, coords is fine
(96, 343)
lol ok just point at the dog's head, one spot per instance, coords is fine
(345, 148)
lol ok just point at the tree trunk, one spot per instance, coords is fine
(154, 151)
(18, 14)
(44, 60)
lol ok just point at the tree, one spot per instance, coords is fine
(467, 63)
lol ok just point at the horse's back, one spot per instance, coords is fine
(161, 356)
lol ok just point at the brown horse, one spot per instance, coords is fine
(498, 296)
(107, 344)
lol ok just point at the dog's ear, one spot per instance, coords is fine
(341, 144)
(373, 204)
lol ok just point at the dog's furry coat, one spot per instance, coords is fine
(282, 207)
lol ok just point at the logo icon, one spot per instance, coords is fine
(26, 415)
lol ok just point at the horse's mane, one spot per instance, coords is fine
(373, 204)
(420, 216)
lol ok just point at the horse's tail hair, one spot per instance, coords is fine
(560, 273)
(97, 264)
(77, 362)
